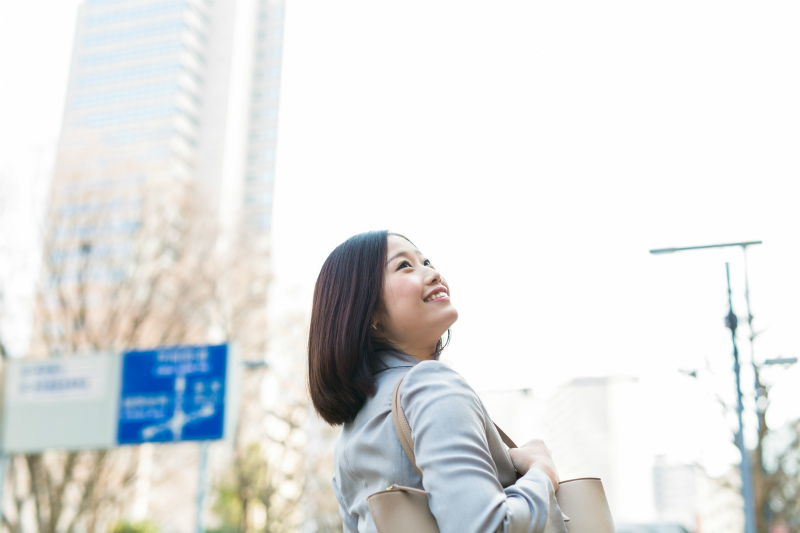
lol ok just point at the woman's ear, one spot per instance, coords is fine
(375, 321)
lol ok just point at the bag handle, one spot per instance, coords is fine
(404, 430)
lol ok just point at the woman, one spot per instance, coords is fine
(379, 313)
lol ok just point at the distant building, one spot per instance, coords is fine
(677, 488)
(594, 428)
(189, 87)
(162, 93)
(721, 507)
(518, 412)
(685, 494)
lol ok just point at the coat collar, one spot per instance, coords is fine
(393, 359)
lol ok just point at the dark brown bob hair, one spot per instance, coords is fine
(341, 347)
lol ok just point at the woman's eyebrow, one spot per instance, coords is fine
(403, 254)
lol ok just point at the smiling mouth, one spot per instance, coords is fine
(432, 297)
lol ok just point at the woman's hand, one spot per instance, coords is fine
(534, 454)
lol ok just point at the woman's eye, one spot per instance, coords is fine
(427, 263)
(403, 264)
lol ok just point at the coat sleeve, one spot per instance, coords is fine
(349, 523)
(449, 434)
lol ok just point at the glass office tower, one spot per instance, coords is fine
(161, 94)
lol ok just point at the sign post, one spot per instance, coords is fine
(102, 400)
(202, 486)
(173, 394)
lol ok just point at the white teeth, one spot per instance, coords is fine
(435, 296)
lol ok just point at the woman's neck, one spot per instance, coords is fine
(420, 353)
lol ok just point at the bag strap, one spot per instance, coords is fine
(506, 439)
(404, 430)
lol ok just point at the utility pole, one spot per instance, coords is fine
(731, 323)
(762, 509)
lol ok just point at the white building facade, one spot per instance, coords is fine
(163, 92)
(187, 89)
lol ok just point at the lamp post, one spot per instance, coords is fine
(202, 479)
(759, 389)
(731, 323)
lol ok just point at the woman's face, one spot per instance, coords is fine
(416, 299)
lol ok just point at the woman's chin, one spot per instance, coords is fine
(455, 316)
(452, 316)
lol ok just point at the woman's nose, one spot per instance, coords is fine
(434, 276)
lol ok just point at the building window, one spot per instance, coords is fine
(133, 53)
(132, 34)
(127, 116)
(128, 95)
(136, 12)
(136, 73)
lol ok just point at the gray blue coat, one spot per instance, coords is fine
(465, 466)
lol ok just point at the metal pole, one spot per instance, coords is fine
(747, 476)
(760, 391)
(202, 486)
(3, 467)
(752, 337)
(704, 247)
(4, 458)
(731, 322)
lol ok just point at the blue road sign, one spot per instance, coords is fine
(171, 394)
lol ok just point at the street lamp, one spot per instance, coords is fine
(781, 361)
(752, 336)
(705, 246)
(731, 323)
(254, 365)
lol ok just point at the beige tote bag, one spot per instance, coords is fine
(401, 509)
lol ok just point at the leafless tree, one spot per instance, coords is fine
(266, 486)
(775, 465)
(141, 267)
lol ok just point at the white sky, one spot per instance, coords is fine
(36, 39)
(535, 151)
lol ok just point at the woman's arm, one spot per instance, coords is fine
(349, 523)
(449, 434)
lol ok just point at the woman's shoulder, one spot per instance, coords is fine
(433, 370)
(433, 383)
